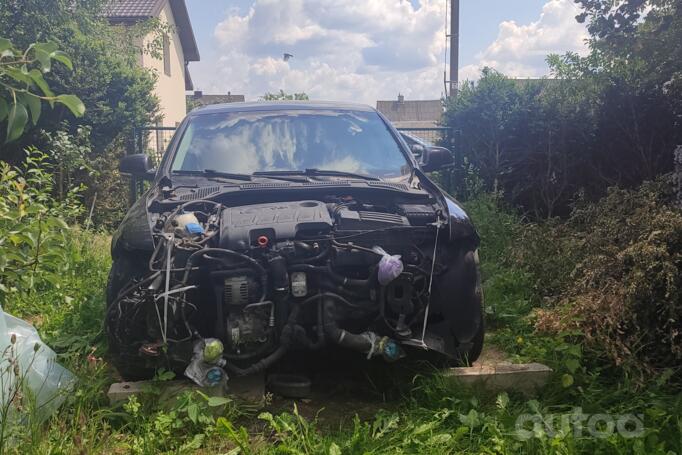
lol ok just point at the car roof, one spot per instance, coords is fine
(255, 106)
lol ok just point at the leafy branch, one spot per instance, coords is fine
(23, 88)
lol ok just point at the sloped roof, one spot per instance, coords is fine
(411, 111)
(131, 11)
(133, 8)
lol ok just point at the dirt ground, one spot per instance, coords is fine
(344, 384)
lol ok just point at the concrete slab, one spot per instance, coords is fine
(526, 378)
(250, 389)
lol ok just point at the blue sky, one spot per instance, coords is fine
(363, 50)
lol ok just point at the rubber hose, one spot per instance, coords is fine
(262, 364)
(338, 335)
(339, 279)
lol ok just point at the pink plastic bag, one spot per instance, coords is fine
(390, 267)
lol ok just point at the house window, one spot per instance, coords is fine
(166, 55)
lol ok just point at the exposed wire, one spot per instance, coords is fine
(438, 225)
(169, 256)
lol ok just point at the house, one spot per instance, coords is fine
(179, 48)
(198, 99)
(412, 114)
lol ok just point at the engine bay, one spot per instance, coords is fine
(229, 290)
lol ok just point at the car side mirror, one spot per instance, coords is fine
(417, 150)
(435, 158)
(137, 165)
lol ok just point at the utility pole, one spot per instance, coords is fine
(454, 47)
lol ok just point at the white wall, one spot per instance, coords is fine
(169, 90)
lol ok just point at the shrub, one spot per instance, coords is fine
(625, 293)
(33, 226)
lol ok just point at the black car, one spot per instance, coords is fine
(275, 228)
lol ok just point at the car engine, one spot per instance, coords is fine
(230, 290)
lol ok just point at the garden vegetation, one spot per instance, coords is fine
(568, 181)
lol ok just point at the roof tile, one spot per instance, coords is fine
(131, 8)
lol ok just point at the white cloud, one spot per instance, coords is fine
(520, 50)
(366, 50)
(343, 50)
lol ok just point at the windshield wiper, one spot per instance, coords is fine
(316, 172)
(214, 173)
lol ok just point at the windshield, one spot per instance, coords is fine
(292, 140)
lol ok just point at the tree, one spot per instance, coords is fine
(23, 88)
(524, 138)
(482, 114)
(637, 54)
(610, 118)
(283, 96)
(105, 76)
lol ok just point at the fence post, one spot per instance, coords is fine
(677, 176)
(133, 180)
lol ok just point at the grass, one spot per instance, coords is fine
(433, 414)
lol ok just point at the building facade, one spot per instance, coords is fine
(178, 48)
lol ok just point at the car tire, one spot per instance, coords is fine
(130, 367)
(467, 355)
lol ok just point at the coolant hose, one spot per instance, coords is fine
(334, 276)
(358, 342)
(262, 364)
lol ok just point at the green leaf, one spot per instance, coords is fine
(471, 420)
(44, 52)
(44, 60)
(193, 412)
(63, 59)
(572, 365)
(56, 222)
(48, 47)
(16, 121)
(18, 75)
(502, 401)
(38, 79)
(74, 104)
(566, 381)
(4, 109)
(214, 402)
(34, 105)
(334, 449)
(5, 46)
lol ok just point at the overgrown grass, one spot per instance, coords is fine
(435, 414)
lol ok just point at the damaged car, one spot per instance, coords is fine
(271, 229)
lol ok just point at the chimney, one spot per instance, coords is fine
(401, 98)
(198, 94)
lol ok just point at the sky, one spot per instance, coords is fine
(365, 50)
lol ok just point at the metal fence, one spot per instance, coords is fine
(153, 140)
(432, 135)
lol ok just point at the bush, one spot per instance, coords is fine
(624, 294)
(33, 226)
